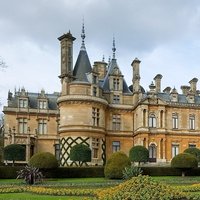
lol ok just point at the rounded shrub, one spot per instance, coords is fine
(80, 153)
(184, 161)
(194, 151)
(115, 165)
(139, 188)
(139, 154)
(43, 160)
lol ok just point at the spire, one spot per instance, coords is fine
(103, 59)
(113, 49)
(83, 37)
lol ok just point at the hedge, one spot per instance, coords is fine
(8, 172)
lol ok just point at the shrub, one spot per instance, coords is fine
(194, 151)
(115, 165)
(140, 188)
(139, 154)
(80, 153)
(184, 161)
(31, 175)
(131, 171)
(14, 152)
(43, 160)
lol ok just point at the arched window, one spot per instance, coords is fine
(191, 122)
(144, 117)
(175, 121)
(152, 121)
(161, 119)
(152, 153)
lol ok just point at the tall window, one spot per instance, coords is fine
(115, 146)
(95, 116)
(152, 121)
(161, 119)
(94, 91)
(192, 122)
(116, 122)
(23, 103)
(95, 147)
(144, 117)
(175, 149)
(57, 151)
(94, 79)
(22, 125)
(42, 126)
(42, 104)
(174, 121)
(116, 99)
(116, 84)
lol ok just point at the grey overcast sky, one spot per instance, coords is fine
(164, 35)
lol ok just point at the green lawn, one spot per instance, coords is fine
(28, 196)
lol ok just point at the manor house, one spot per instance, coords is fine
(96, 107)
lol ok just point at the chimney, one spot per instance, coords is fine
(193, 85)
(185, 89)
(136, 75)
(167, 90)
(157, 80)
(101, 68)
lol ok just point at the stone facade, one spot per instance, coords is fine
(97, 108)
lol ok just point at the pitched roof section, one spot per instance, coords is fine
(112, 68)
(82, 66)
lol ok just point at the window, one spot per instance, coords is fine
(116, 84)
(42, 105)
(94, 79)
(95, 116)
(42, 126)
(57, 151)
(192, 146)
(116, 122)
(161, 118)
(144, 117)
(175, 149)
(22, 124)
(116, 99)
(95, 147)
(23, 103)
(152, 121)
(191, 122)
(94, 91)
(174, 121)
(115, 146)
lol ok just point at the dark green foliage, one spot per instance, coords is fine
(115, 165)
(31, 175)
(80, 153)
(132, 171)
(184, 161)
(14, 152)
(139, 154)
(43, 160)
(194, 151)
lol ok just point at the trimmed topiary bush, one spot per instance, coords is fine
(139, 154)
(116, 164)
(141, 188)
(43, 160)
(194, 151)
(184, 161)
(14, 152)
(80, 153)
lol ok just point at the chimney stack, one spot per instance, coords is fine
(157, 80)
(185, 89)
(193, 85)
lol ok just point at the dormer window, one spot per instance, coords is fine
(116, 84)
(42, 104)
(23, 103)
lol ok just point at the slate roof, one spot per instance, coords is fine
(33, 101)
(82, 66)
(113, 65)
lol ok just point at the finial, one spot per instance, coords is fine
(114, 49)
(103, 59)
(109, 60)
(83, 37)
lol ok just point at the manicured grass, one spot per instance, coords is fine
(28, 196)
(178, 180)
